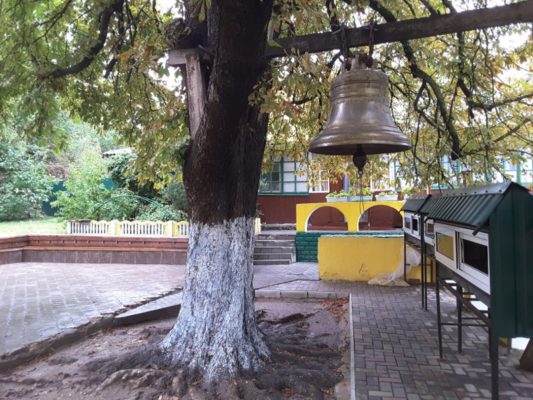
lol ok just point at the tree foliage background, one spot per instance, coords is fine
(103, 62)
(24, 182)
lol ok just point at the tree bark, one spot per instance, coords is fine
(215, 334)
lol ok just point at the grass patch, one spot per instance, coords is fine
(48, 225)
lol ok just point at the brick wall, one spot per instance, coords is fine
(11, 249)
(93, 249)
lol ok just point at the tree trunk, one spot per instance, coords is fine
(215, 334)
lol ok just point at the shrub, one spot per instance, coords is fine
(84, 188)
(174, 194)
(118, 204)
(161, 212)
(122, 171)
(24, 183)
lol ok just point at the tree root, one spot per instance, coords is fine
(140, 377)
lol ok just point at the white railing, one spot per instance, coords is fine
(142, 228)
(88, 228)
(181, 229)
(136, 228)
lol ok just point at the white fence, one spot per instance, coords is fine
(135, 228)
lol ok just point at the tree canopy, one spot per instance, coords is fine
(103, 60)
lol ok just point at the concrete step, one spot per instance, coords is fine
(278, 227)
(273, 242)
(277, 236)
(274, 249)
(272, 262)
(273, 256)
(164, 307)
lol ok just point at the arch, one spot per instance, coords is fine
(351, 211)
(380, 217)
(327, 218)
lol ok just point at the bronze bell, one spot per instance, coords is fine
(360, 121)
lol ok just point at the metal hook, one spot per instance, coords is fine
(371, 27)
(344, 46)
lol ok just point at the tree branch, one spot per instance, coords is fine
(398, 31)
(417, 72)
(491, 106)
(86, 61)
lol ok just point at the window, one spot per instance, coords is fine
(321, 185)
(271, 181)
(415, 224)
(290, 177)
(294, 181)
(474, 258)
(445, 245)
(475, 255)
(407, 222)
(430, 229)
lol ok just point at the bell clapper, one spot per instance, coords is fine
(359, 160)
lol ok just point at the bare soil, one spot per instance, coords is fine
(307, 340)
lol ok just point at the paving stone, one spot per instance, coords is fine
(45, 299)
(395, 342)
(394, 338)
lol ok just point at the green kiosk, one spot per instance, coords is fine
(483, 246)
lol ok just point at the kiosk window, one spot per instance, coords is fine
(407, 222)
(475, 255)
(415, 224)
(445, 245)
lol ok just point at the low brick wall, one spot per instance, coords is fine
(93, 249)
(11, 249)
(306, 244)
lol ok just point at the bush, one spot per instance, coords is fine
(123, 173)
(84, 188)
(174, 194)
(24, 183)
(161, 212)
(119, 204)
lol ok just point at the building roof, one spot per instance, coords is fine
(471, 207)
(414, 204)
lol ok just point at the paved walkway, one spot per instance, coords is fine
(40, 300)
(396, 348)
(396, 353)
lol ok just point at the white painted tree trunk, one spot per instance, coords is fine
(215, 333)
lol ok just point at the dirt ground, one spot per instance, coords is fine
(307, 340)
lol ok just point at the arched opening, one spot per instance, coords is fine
(326, 219)
(380, 218)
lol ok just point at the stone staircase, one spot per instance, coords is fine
(275, 248)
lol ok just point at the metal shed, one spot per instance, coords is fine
(484, 250)
(505, 213)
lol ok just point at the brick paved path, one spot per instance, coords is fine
(40, 300)
(396, 348)
(396, 354)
